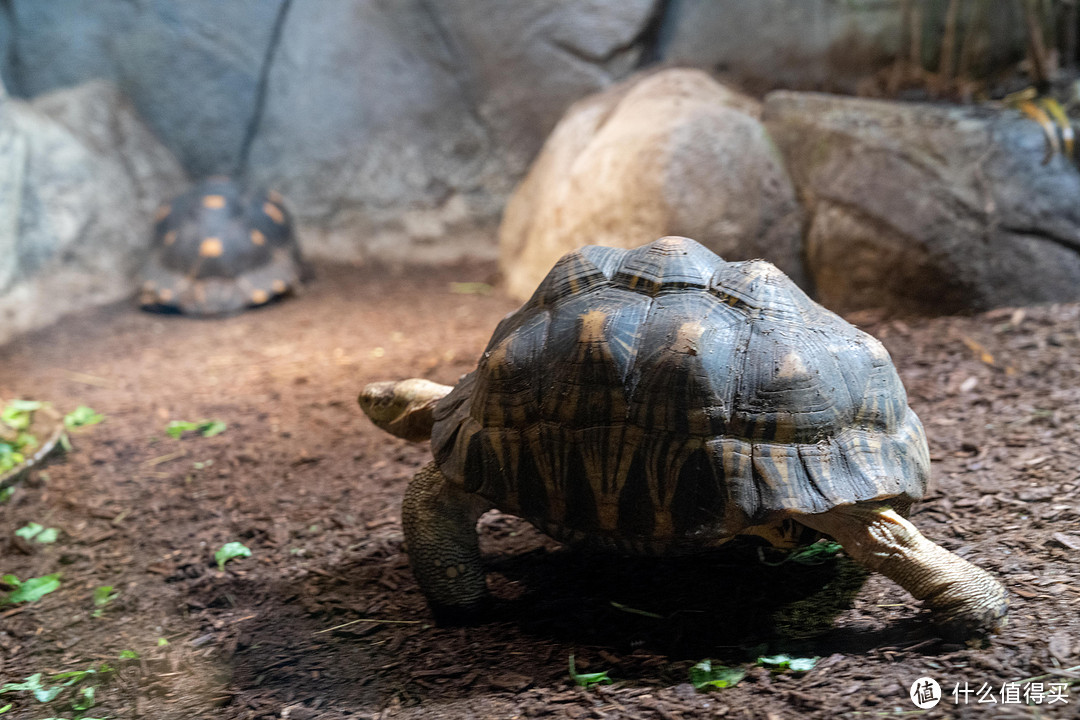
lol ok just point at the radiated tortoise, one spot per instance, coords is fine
(662, 400)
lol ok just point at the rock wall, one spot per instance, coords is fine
(668, 153)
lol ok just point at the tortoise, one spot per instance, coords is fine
(662, 400)
(220, 248)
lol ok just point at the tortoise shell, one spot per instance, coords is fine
(663, 397)
(220, 248)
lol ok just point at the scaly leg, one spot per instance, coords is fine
(439, 520)
(963, 598)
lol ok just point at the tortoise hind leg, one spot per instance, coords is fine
(964, 599)
(439, 520)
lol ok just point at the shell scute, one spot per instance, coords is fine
(663, 396)
(670, 264)
(217, 250)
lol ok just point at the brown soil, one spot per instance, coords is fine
(325, 620)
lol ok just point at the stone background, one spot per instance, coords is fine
(397, 129)
(389, 123)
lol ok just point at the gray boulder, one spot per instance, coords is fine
(671, 153)
(80, 176)
(928, 209)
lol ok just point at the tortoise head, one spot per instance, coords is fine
(404, 408)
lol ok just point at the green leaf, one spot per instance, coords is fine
(37, 533)
(32, 683)
(9, 456)
(47, 536)
(72, 676)
(774, 660)
(178, 427)
(162, 642)
(29, 531)
(32, 589)
(783, 661)
(214, 427)
(13, 453)
(705, 676)
(81, 417)
(18, 413)
(587, 679)
(45, 695)
(6, 708)
(6, 493)
(103, 595)
(84, 700)
(24, 405)
(229, 551)
(802, 664)
(820, 552)
(208, 428)
(129, 655)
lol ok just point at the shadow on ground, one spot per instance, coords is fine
(336, 633)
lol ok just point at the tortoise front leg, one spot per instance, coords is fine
(962, 597)
(439, 520)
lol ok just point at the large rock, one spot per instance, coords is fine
(929, 209)
(80, 176)
(671, 153)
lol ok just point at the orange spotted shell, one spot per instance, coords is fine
(662, 397)
(220, 248)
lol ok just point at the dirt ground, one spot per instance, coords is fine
(324, 619)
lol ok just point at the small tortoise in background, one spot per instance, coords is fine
(220, 248)
(661, 400)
